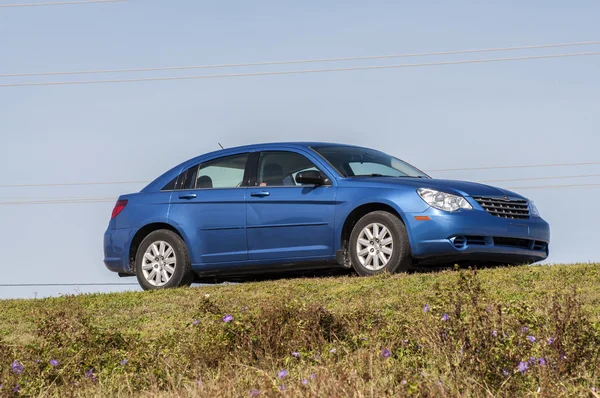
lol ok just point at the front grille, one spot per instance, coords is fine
(505, 208)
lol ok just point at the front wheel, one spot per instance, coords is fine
(379, 243)
(163, 262)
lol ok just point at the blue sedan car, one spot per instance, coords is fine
(278, 206)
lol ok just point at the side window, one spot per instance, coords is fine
(279, 168)
(170, 185)
(226, 172)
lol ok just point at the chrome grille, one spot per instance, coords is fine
(505, 208)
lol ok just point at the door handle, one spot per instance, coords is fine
(187, 196)
(261, 194)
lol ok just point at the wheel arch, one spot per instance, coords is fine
(363, 209)
(142, 233)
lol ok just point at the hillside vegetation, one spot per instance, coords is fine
(522, 331)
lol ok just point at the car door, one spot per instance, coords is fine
(286, 220)
(209, 205)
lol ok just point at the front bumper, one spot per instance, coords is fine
(476, 236)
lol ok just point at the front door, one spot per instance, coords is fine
(286, 220)
(209, 204)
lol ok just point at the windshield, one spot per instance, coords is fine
(361, 162)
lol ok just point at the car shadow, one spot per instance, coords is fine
(323, 271)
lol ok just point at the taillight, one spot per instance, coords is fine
(119, 206)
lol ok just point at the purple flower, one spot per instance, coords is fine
(523, 366)
(532, 339)
(504, 372)
(17, 368)
(197, 321)
(227, 318)
(254, 393)
(531, 360)
(89, 373)
(54, 362)
(385, 353)
(403, 382)
(282, 374)
(594, 389)
(495, 333)
(542, 362)
(525, 329)
(333, 350)
(198, 383)
(16, 389)
(426, 308)
(551, 340)
(124, 362)
(445, 317)
(313, 376)
(296, 354)
(304, 381)
(405, 341)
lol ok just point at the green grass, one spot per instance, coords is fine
(177, 344)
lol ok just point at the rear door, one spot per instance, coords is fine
(209, 205)
(286, 220)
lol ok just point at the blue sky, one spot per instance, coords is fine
(525, 112)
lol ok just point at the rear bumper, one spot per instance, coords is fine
(477, 236)
(116, 249)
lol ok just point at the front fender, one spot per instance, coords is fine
(403, 201)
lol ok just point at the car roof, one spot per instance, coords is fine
(267, 145)
(297, 144)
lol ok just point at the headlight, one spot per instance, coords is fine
(443, 201)
(534, 210)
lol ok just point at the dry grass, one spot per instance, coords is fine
(479, 327)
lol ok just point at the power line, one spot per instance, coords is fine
(68, 184)
(57, 201)
(556, 186)
(107, 200)
(297, 72)
(64, 284)
(302, 61)
(60, 3)
(91, 183)
(517, 167)
(542, 178)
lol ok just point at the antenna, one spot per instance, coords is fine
(220, 145)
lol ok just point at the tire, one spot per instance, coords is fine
(396, 252)
(173, 268)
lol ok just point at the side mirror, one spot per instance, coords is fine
(311, 177)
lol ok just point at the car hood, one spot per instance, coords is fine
(457, 187)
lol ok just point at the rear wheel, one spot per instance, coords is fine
(379, 243)
(162, 261)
